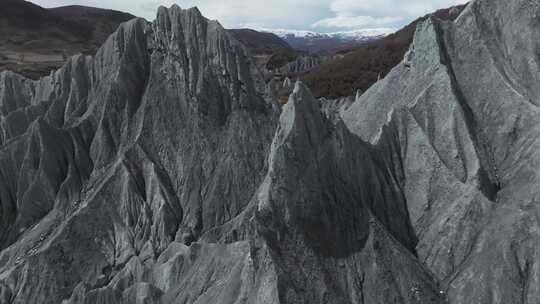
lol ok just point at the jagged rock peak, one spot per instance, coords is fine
(303, 111)
(155, 172)
(302, 98)
(195, 46)
(184, 25)
(358, 94)
(169, 19)
(167, 118)
(287, 83)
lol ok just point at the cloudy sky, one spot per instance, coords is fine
(313, 15)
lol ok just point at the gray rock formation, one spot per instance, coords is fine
(461, 111)
(111, 161)
(287, 83)
(159, 171)
(301, 64)
(354, 243)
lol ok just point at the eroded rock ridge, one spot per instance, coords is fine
(161, 171)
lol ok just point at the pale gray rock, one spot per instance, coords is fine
(462, 112)
(315, 209)
(333, 108)
(287, 83)
(161, 137)
(160, 171)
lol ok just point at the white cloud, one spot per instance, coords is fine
(354, 14)
(235, 13)
(324, 15)
(390, 7)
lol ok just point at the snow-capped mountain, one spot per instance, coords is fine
(315, 41)
(349, 35)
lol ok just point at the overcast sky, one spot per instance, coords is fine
(313, 15)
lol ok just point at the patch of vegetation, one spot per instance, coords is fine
(362, 67)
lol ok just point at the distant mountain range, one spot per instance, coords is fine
(345, 35)
(36, 40)
(316, 42)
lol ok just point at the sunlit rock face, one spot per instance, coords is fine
(463, 108)
(114, 164)
(159, 171)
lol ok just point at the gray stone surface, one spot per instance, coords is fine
(110, 161)
(462, 111)
(159, 171)
(330, 204)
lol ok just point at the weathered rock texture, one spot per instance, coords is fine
(301, 64)
(158, 171)
(112, 162)
(461, 112)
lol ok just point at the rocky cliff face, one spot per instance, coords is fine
(462, 108)
(159, 140)
(158, 171)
